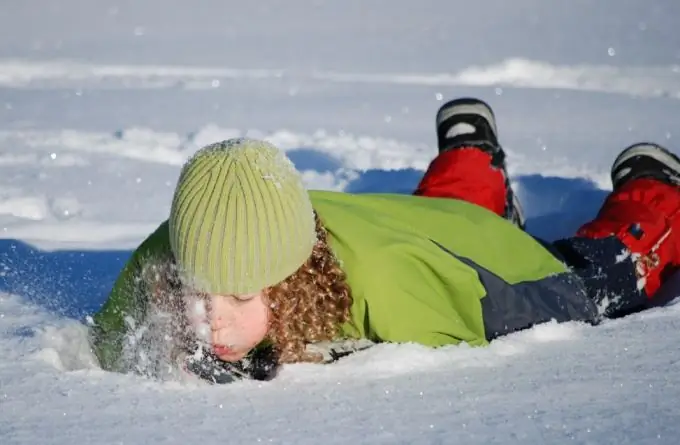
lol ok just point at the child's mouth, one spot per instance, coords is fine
(221, 350)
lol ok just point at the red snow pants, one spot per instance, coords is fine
(465, 174)
(644, 214)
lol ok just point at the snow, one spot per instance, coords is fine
(101, 103)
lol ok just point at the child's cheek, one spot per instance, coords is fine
(258, 323)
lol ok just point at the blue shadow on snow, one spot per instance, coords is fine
(310, 159)
(70, 283)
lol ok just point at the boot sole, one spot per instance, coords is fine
(650, 150)
(467, 106)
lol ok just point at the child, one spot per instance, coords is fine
(258, 270)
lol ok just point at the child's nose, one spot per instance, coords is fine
(218, 321)
(221, 320)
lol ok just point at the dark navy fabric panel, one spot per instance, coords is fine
(558, 297)
(608, 272)
(512, 307)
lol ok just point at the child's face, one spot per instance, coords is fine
(237, 324)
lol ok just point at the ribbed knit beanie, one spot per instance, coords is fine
(241, 219)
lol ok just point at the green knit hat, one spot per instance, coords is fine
(241, 219)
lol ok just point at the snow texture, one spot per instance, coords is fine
(102, 102)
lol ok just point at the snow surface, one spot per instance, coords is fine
(101, 102)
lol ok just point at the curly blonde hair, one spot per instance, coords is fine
(310, 305)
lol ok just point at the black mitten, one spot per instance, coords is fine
(259, 364)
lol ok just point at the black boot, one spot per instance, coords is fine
(470, 122)
(646, 160)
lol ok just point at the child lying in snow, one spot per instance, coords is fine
(251, 270)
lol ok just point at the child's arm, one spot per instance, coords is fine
(126, 305)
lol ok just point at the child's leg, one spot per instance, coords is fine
(633, 245)
(466, 173)
(471, 163)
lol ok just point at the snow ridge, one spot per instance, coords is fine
(648, 81)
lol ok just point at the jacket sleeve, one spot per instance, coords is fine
(126, 304)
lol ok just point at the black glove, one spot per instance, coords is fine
(260, 364)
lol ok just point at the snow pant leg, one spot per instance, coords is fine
(608, 273)
(645, 215)
(466, 173)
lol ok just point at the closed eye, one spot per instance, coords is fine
(243, 298)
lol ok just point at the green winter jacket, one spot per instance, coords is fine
(433, 271)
